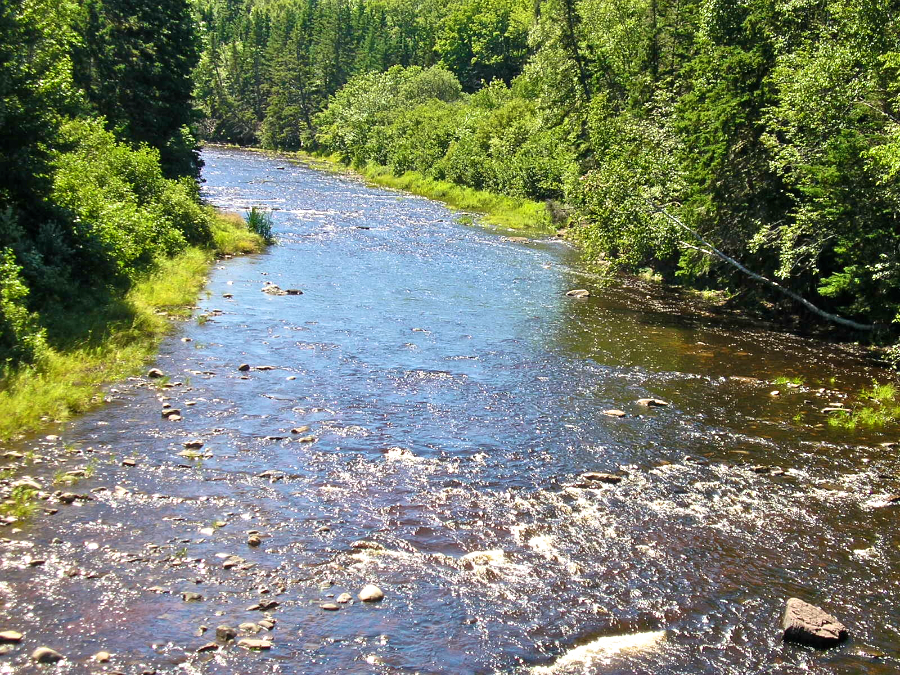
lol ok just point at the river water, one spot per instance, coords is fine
(454, 395)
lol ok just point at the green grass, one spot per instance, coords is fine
(111, 338)
(260, 222)
(509, 212)
(881, 409)
(783, 380)
(21, 502)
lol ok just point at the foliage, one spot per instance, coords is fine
(22, 340)
(882, 409)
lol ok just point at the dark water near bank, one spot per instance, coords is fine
(455, 395)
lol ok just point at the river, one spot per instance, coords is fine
(453, 396)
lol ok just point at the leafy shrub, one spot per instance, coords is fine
(22, 340)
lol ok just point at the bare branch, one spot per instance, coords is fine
(713, 251)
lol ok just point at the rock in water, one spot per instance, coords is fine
(155, 373)
(809, 625)
(46, 655)
(10, 636)
(371, 593)
(579, 293)
(225, 633)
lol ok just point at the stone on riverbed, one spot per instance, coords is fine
(651, 402)
(46, 655)
(250, 643)
(597, 477)
(579, 293)
(225, 633)
(809, 625)
(10, 636)
(615, 413)
(371, 593)
(155, 373)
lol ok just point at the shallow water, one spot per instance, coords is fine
(454, 395)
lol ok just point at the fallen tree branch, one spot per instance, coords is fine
(713, 251)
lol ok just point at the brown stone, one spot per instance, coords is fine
(809, 625)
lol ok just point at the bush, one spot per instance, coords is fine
(22, 340)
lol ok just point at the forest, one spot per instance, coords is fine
(697, 139)
(98, 162)
(682, 136)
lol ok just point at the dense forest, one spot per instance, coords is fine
(702, 139)
(689, 136)
(98, 164)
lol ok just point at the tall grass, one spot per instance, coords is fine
(260, 222)
(113, 339)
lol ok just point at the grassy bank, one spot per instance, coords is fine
(516, 214)
(509, 212)
(112, 338)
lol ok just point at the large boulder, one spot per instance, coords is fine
(809, 625)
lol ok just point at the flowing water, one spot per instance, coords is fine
(454, 396)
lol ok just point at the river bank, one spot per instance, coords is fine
(111, 341)
(432, 415)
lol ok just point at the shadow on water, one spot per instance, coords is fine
(420, 419)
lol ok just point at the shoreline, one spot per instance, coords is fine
(70, 379)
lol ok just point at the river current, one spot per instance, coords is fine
(454, 396)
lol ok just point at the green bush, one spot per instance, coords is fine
(22, 340)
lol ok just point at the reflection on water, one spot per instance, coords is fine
(446, 396)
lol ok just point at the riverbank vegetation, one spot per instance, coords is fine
(102, 232)
(702, 139)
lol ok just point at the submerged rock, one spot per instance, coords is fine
(579, 293)
(615, 413)
(155, 373)
(810, 625)
(250, 643)
(10, 636)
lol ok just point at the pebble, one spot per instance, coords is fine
(155, 373)
(371, 593)
(191, 596)
(10, 636)
(129, 462)
(193, 445)
(102, 657)
(307, 439)
(330, 607)
(46, 655)
(250, 643)
(300, 430)
(615, 413)
(254, 540)
(244, 367)
(208, 647)
(579, 293)
(268, 624)
(344, 598)
(249, 627)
